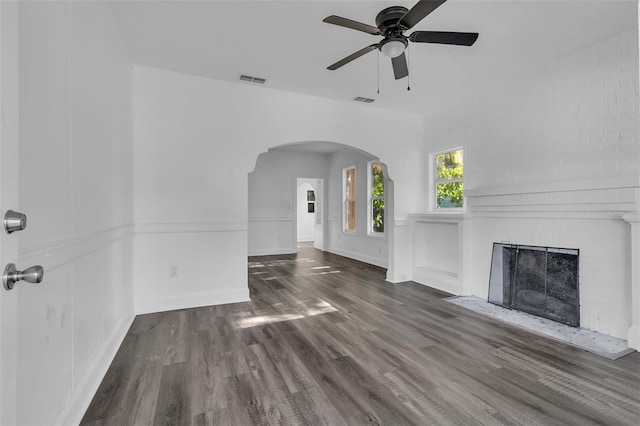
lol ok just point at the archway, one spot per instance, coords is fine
(273, 205)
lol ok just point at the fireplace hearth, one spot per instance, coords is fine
(541, 281)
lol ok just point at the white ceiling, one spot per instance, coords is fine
(287, 43)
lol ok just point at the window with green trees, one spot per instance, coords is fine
(449, 179)
(376, 198)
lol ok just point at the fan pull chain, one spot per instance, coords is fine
(378, 71)
(408, 68)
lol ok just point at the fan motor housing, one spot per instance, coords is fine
(387, 19)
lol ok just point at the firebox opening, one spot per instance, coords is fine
(541, 281)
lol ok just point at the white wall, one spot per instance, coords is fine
(359, 244)
(75, 173)
(272, 199)
(196, 140)
(555, 161)
(306, 223)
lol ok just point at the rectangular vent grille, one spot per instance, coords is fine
(365, 100)
(252, 79)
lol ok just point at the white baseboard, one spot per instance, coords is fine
(273, 251)
(193, 300)
(633, 338)
(87, 387)
(376, 261)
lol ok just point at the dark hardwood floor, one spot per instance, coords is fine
(326, 341)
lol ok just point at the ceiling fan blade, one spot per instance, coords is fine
(444, 37)
(354, 25)
(418, 12)
(351, 57)
(400, 69)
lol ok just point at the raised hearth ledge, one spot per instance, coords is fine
(592, 341)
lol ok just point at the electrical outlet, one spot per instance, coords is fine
(173, 271)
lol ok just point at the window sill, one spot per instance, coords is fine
(448, 211)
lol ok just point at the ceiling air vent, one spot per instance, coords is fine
(365, 100)
(252, 79)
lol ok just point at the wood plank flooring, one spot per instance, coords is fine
(326, 341)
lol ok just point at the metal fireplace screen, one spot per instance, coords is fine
(541, 281)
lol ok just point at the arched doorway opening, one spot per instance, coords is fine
(348, 217)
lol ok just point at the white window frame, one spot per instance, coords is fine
(433, 191)
(345, 200)
(371, 198)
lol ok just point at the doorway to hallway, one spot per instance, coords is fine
(309, 208)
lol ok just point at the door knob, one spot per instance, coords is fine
(11, 275)
(14, 221)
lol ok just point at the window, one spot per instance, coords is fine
(349, 179)
(376, 198)
(311, 202)
(449, 179)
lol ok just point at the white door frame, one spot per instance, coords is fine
(323, 207)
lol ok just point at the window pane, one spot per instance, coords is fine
(449, 195)
(377, 214)
(351, 215)
(351, 183)
(377, 181)
(449, 165)
(377, 198)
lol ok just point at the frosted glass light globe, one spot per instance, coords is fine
(393, 48)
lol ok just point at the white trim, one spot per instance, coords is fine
(192, 300)
(398, 223)
(271, 219)
(83, 392)
(609, 203)
(57, 253)
(437, 217)
(190, 227)
(631, 217)
(376, 261)
(274, 251)
(560, 186)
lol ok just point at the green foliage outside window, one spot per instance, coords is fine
(449, 175)
(377, 195)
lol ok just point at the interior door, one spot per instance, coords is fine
(8, 200)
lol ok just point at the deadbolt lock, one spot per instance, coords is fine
(14, 221)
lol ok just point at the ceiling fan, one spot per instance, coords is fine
(391, 23)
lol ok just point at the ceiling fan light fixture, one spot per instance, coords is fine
(393, 47)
